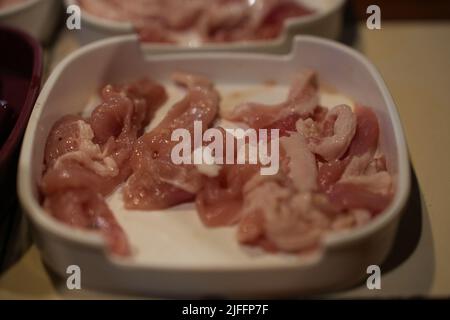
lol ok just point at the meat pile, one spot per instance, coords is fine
(86, 159)
(331, 175)
(210, 20)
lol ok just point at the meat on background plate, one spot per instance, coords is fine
(167, 21)
(86, 159)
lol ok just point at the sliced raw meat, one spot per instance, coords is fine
(377, 164)
(367, 132)
(267, 200)
(94, 153)
(86, 159)
(190, 80)
(288, 220)
(74, 175)
(287, 214)
(302, 167)
(220, 200)
(365, 143)
(126, 109)
(360, 151)
(74, 160)
(63, 138)
(221, 17)
(379, 182)
(88, 154)
(285, 125)
(372, 192)
(6, 3)
(330, 172)
(359, 181)
(330, 177)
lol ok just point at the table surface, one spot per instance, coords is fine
(414, 60)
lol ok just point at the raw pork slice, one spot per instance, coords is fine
(156, 182)
(330, 138)
(329, 180)
(220, 200)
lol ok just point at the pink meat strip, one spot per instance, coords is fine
(156, 182)
(330, 177)
(354, 181)
(360, 152)
(372, 192)
(341, 121)
(221, 198)
(302, 167)
(212, 20)
(301, 102)
(86, 159)
(341, 188)
(285, 212)
(6, 3)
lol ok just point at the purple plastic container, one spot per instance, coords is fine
(20, 80)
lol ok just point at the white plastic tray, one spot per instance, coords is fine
(174, 254)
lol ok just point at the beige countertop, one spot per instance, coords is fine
(414, 60)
